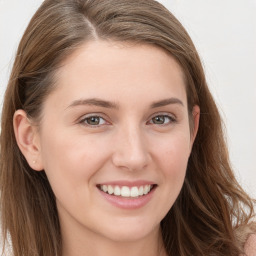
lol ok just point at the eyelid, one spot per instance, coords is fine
(81, 120)
(173, 118)
(172, 115)
(86, 116)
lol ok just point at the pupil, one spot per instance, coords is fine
(94, 120)
(159, 120)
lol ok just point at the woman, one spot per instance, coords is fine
(111, 141)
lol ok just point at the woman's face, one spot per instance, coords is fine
(115, 139)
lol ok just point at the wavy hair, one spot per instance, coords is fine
(211, 211)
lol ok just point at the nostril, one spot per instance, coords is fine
(129, 151)
(130, 162)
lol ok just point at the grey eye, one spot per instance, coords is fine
(93, 120)
(161, 119)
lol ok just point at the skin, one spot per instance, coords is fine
(128, 144)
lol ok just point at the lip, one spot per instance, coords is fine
(128, 203)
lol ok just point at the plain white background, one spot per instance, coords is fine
(224, 32)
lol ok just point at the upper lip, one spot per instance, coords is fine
(136, 183)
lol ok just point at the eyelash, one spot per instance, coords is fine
(171, 119)
(84, 121)
(165, 116)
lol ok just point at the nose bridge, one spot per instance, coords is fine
(130, 148)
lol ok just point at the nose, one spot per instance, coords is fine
(130, 150)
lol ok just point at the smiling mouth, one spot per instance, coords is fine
(125, 191)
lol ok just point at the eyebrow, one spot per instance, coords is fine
(113, 105)
(166, 102)
(94, 102)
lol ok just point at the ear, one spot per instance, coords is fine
(195, 123)
(28, 140)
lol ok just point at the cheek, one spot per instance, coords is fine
(172, 157)
(71, 160)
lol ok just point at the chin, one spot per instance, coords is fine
(131, 232)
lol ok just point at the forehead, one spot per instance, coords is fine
(119, 71)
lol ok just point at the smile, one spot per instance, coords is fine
(125, 191)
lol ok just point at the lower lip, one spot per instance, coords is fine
(128, 202)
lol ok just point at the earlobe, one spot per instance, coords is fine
(27, 139)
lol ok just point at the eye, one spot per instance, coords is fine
(93, 121)
(162, 120)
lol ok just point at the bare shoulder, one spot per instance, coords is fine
(250, 246)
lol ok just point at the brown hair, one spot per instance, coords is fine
(211, 208)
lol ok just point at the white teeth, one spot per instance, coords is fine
(134, 192)
(146, 189)
(117, 191)
(105, 188)
(110, 190)
(141, 190)
(125, 191)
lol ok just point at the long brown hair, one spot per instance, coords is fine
(211, 208)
